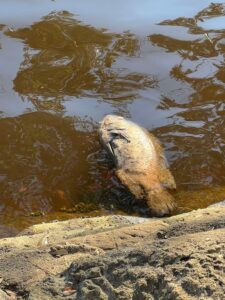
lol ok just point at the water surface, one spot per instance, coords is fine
(64, 65)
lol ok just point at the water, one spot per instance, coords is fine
(64, 65)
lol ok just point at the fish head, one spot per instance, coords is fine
(113, 128)
(113, 123)
(112, 118)
(160, 202)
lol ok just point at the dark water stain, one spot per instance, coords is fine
(61, 75)
(49, 166)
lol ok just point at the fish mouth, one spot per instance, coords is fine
(109, 146)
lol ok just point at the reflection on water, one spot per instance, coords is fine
(64, 57)
(198, 133)
(69, 74)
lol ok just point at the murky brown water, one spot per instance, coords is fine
(65, 64)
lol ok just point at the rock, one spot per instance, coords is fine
(4, 296)
(181, 257)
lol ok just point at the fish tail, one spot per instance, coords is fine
(160, 202)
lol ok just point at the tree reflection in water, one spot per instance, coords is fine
(195, 139)
(64, 57)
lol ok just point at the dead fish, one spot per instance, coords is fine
(140, 163)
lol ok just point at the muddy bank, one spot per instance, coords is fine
(117, 257)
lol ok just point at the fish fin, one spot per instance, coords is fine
(166, 179)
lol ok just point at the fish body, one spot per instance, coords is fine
(140, 163)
